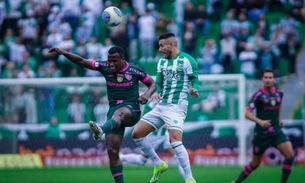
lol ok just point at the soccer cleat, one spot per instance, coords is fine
(233, 182)
(158, 172)
(191, 181)
(97, 131)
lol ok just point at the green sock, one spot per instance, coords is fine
(117, 173)
(286, 169)
(245, 173)
(109, 125)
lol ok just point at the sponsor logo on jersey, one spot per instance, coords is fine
(119, 77)
(128, 77)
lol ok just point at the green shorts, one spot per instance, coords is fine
(135, 117)
(261, 143)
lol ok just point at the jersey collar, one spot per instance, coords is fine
(125, 68)
(266, 92)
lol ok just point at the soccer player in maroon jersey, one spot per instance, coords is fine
(122, 80)
(268, 103)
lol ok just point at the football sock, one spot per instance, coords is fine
(133, 159)
(145, 145)
(286, 169)
(109, 125)
(181, 171)
(117, 173)
(245, 173)
(183, 159)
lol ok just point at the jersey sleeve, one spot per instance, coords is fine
(253, 102)
(99, 65)
(142, 75)
(192, 72)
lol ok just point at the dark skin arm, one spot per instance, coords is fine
(78, 60)
(151, 89)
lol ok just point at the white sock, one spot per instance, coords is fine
(133, 159)
(183, 159)
(181, 171)
(145, 145)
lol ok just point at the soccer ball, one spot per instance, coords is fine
(112, 16)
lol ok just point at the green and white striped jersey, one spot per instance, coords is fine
(174, 77)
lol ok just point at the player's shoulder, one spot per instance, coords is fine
(187, 57)
(135, 68)
(99, 62)
(278, 90)
(257, 93)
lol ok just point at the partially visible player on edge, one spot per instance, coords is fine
(158, 138)
(177, 76)
(122, 80)
(268, 101)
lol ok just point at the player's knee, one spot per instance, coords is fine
(136, 134)
(255, 163)
(290, 156)
(113, 150)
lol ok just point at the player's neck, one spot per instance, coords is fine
(175, 52)
(269, 89)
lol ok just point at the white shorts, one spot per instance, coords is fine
(173, 115)
(159, 141)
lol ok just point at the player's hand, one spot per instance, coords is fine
(265, 123)
(194, 93)
(56, 50)
(155, 97)
(282, 125)
(143, 99)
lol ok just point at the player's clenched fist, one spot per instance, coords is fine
(143, 99)
(155, 97)
(56, 50)
(265, 123)
(194, 93)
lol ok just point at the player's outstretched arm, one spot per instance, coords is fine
(73, 58)
(150, 83)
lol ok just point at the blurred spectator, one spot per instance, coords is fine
(189, 38)
(227, 52)
(26, 72)
(208, 52)
(100, 110)
(31, 106)
(147, 34)
(229, 25)
(76, 110)
(53, 131)
(266, 60)
(214, 101)
(291, 48)
(248, 59)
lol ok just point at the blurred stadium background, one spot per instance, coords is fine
(43, 125)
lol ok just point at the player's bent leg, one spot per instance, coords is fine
(181, 153)
(255, 162)
(139, 135)
(114, 142)
(287, 151)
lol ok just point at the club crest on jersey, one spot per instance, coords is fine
(128, 77)
(119, 77)
(273, 102)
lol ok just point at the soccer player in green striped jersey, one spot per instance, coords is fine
(158, 138)
(177, 76)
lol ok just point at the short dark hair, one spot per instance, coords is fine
(116, 49)
(166, 36)
(269, 71)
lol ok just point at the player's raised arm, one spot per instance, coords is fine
(73, 58)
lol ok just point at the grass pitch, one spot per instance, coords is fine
(142, 174)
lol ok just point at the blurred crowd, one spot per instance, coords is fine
(29, 28)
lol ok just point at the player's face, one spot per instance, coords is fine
(268, 79)
(116, 62)
(165, 47)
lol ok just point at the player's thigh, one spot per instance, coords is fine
(259, 146)
(153, 117)
(128, 115)
(174, 116)
(283, 144)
